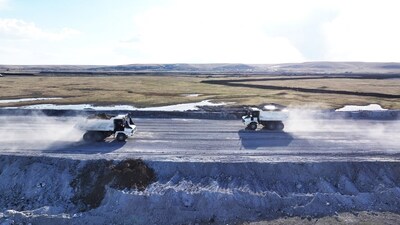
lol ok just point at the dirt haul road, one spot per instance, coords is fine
(304, 139)
(205, 172)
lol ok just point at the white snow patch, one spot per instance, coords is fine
(183, 107)
(370, 107)
(191, 95)
(75, 107)
(270, 107)
(25, 100)
(178, 107)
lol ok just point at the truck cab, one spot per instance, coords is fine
(252, 115)
(124, 127)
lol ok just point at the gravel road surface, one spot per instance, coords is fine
(304, 139)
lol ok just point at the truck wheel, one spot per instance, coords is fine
(88, 136)
(121, 137)
(252, 126)
(98, 136)
(280, 126)
(271, 126)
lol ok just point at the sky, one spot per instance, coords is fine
(114, 32)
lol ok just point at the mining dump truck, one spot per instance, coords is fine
(100, 126)
(271, 119)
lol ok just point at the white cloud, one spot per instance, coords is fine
(215, 31)
(3, 4)
(57, 53)
(364, 31)
(23, 42)
(14, 29)
(263, 31)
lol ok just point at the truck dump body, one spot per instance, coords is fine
(98, 125)
(273, 116)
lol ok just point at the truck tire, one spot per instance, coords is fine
(121, 137)
(88, 136)
(252, 126)
(280, 126)
(98, 136)
(271, 126)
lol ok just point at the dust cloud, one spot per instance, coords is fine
(302, 121)
(38, 132)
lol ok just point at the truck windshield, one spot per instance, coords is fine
(255, 113)
(126, 124)
(118, 125)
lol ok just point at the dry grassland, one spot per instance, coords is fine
(143, 91)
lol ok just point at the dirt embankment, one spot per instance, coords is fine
(91, 181)
(42, 190)
(43, 185)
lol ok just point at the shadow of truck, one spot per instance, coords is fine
(264, 139)
(89, 147)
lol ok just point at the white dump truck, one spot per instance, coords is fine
(101, 126)
(271, 119)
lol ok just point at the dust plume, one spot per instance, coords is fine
(302, 120)
(37, 132)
